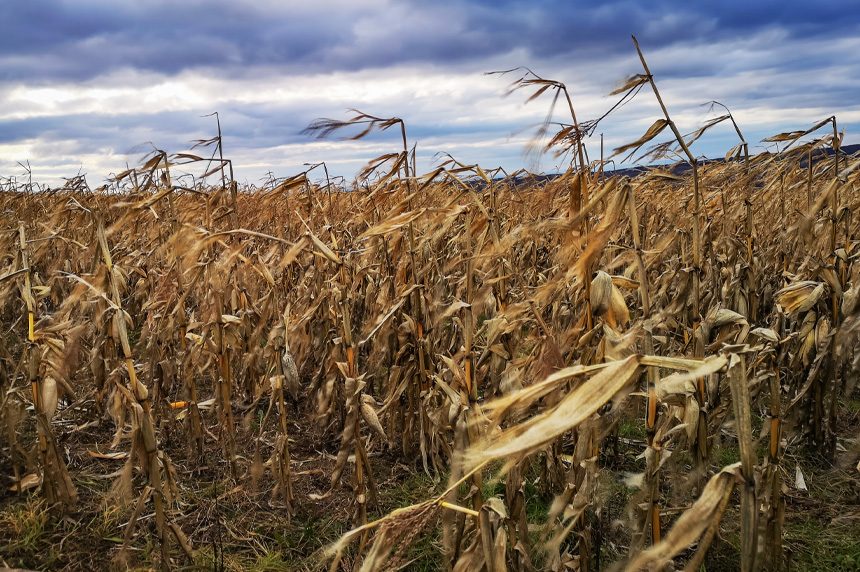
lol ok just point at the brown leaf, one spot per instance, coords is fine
(691, 524)
(574, 408)
(656, 128)
(28, 482)
(112, 456)
(630, 83)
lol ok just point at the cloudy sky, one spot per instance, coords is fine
(87, 85)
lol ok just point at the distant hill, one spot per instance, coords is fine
(682, 167)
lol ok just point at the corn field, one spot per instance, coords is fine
(511, 337)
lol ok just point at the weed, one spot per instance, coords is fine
(26, 525)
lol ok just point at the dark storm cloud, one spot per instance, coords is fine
(80, 40)
(52, 39)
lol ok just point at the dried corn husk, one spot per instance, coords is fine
(291, 374)
(601, 293)
(368, 413)
(619, 308)
(849, 300)
(800, 297)
(49, 397)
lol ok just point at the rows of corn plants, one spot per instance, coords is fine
(494, 331)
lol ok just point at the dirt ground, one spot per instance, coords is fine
(237, 527)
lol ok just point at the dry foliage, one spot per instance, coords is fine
(471, 325)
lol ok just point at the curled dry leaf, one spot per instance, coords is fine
(28, 482)
(625, 282)
(656, 128)
(799, 481)
(620, 311)
(765, 334)
(691, 525)
(683, 383)
(725, 316)
(117, 455)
